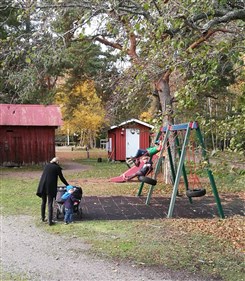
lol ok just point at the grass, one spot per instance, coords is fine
(229, 179)
(103, 169)
(229, 156)
(18, 196)
(205, 247)
(161, 243)
(12, 276)
(229, 176)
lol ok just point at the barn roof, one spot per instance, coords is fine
(30, 115)
(132, 121)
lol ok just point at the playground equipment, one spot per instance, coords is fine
(170, 134)
(195, 185)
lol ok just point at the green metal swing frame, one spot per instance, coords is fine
(187, 127)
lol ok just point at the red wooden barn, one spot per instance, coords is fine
(27, 133)
(125, 139)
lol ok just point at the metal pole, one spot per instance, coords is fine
(178, 174)
(183, 169)
(140, 188)
(171, 162)
(158, 165)
(210, 174)
(142, 183)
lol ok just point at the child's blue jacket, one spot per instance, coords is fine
(65, 195)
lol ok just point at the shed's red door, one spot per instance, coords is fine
(132, 141)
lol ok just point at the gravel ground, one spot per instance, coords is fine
(33, 254)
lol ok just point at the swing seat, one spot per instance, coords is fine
(197, 192)
(147, 180)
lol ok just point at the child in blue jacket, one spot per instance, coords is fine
(69, 200)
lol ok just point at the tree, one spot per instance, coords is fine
(29, 63)
(141, 21)
(82, 111)
(36, 50)
(186, 49)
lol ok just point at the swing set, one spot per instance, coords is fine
(170, 138)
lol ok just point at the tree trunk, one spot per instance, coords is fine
(163, 90)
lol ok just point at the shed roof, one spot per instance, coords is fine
(132, 121)
(30, 115)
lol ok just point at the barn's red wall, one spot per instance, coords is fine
(26, 145)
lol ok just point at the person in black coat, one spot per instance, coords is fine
(47, 188)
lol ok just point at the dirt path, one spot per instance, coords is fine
(32, 254)
(68, 168)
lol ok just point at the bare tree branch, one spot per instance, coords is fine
(208, 34)
(230, 16)
(108, 43)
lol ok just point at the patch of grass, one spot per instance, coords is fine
(18, 196)
(27, 168)
(103, 169)
(229, 156)
(229, 170)
(162, 243)
(228, 179)
(12, 276)
(72, 154)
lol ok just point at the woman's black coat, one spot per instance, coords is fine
(49, 180)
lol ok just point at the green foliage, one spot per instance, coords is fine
(37, 48)
(200, 43)
(9, 17)
(26, 60)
